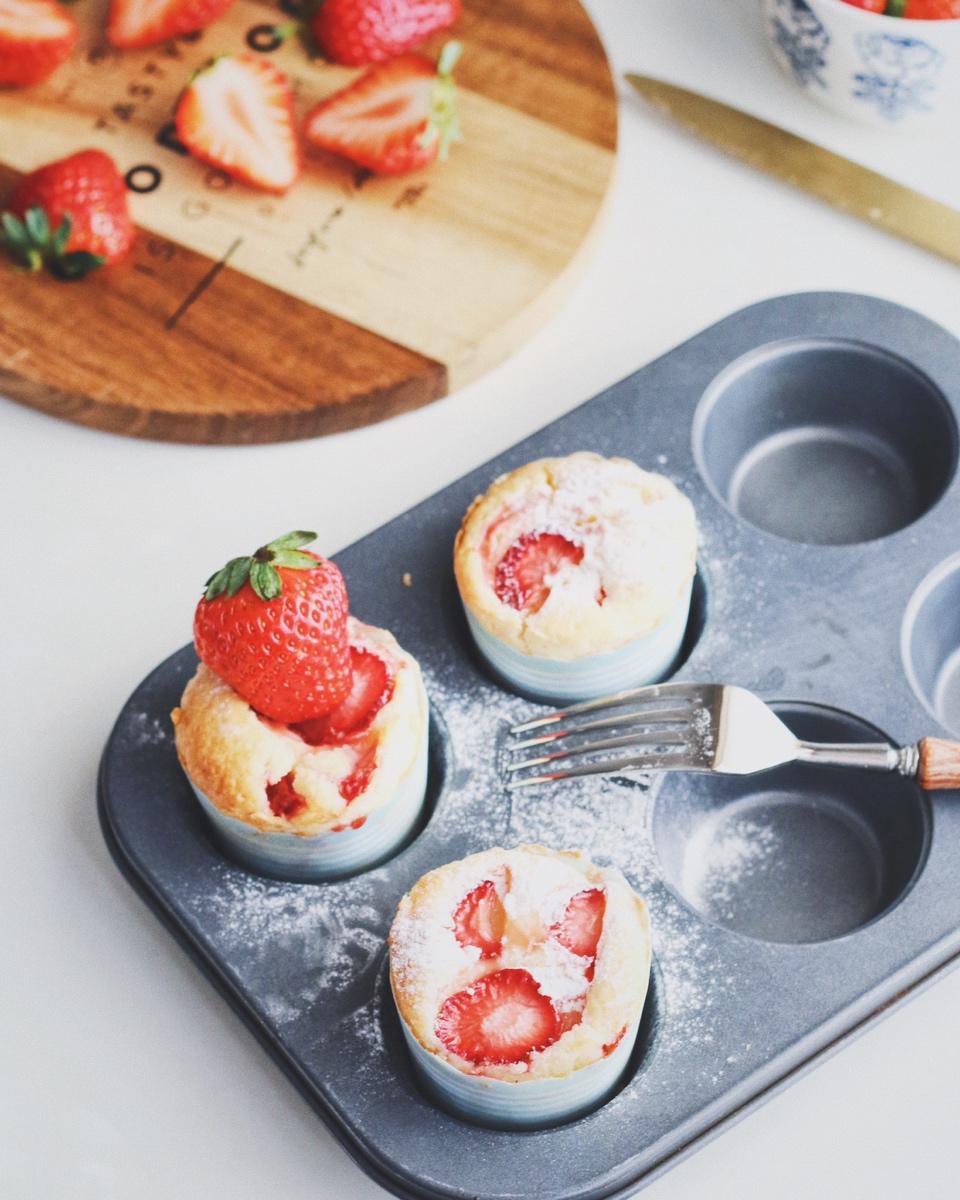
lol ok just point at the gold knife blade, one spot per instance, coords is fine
(845, 184)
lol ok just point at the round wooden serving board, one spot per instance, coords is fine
(243, 317)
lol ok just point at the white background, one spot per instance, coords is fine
(123, 1074)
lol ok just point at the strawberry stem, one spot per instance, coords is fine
(444, 122)
(260, 568)
(895, 8)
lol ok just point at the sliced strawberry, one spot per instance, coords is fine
(580, 926)
(876, 6)
(521, 576)
(36, 36)
(397, 117)
(502, 1018)
(144, 22)
(370, 689)
(237, 114)
(284, 799)
(480, 918)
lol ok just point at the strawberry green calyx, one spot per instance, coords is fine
(33, 244)
(444, 122)
(260, 568)
(895, 8)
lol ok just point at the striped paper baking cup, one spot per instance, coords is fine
(330, 855)
(521, 1103)
(647, 659)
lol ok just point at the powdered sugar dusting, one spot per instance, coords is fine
(720, 861)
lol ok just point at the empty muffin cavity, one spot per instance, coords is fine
(798, 854)
(931, 643)
(827, 442)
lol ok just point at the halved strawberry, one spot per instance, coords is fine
(502, 1018)
(36, 36)
(521, 575)
(370, 689)
(479, 919)
(144, 22)
(237, 114)
(397, 117)
(357, 32)
(580, 926)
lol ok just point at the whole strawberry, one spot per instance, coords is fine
(357, 32)
(396, 117)
(36, 36)
(70, 216)
(274, 626)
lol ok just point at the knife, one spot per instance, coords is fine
(842, 183)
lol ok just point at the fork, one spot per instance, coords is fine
(700, 727)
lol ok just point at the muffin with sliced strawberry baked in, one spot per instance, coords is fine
(520, 977)
(304, 731)
(576, 575)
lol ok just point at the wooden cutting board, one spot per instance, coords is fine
(243, 317)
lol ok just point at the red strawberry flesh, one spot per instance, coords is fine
(370, 689)
(501, 1018)
(134, 23)
(237, 114)
(284, 799)
(396, 117)
(521, 576)
(357, 782)
(582, 923)
(36, 36)
(479, 920)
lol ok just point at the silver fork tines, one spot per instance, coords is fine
(667, 725)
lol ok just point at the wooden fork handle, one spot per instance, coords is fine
(939, 766)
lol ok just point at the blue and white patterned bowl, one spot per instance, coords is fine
(648, 659)
(525, 1103)
(313, 859)
(885, 71)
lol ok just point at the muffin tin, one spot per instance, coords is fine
(817, 437)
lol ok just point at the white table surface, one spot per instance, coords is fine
(123, 1073)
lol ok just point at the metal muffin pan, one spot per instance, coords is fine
(789, 909)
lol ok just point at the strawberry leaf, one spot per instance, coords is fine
(15, 232)
(38, 226)
(58, 243)
(291, 541)
(76, 264)
(295, 559)
(237, 573)
(265, 580)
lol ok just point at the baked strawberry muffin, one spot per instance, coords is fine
(576, 575)
(304, 732)
(520, 978)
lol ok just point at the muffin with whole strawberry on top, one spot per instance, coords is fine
(576, 575)
(520, 977)
(304, 731)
